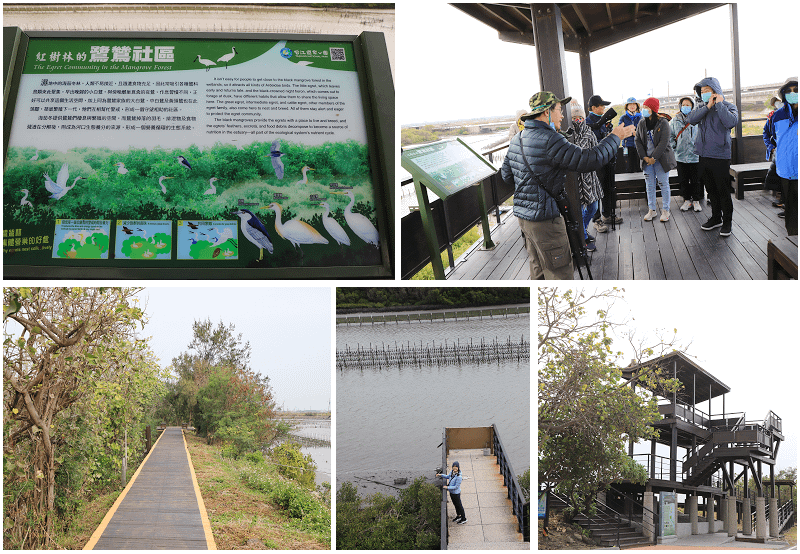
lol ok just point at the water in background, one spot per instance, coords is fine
(392, 419)
(319, 430)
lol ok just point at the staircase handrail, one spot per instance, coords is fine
(618, 518)
(511, 482)
(636, 502)
(691, 461)
(785, 514)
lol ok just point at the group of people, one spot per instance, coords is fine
(697, 141)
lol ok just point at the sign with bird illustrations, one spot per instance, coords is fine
(176, 152)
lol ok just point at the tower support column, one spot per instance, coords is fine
(692, 505)
(761, 518)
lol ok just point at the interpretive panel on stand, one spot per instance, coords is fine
(189, 153)
(446, 167)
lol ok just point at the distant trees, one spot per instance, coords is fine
(422, 296)
(75, 380)
(218, 392)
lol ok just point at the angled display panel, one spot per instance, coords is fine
(130, 154)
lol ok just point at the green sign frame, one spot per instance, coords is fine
(455, 167)
(369, 61)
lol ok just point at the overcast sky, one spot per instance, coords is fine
(451, 66)
(741, 333)
(289, 330)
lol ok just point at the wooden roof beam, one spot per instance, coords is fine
(610, 19)
(583, 19)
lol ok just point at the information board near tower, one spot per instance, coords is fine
(231, 155)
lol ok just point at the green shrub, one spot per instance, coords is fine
(293, 464)
(386, 523)
(254, 457)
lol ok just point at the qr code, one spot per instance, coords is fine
(337, 55)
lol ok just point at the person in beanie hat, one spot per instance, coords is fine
(682, 136)
(453, 484)
(785, 123)
(597, 107)
(658, 158)
(549, 155)
(714, 117)
(631, 116)
(588, 183)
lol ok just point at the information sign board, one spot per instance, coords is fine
(669, 510)
(446, 167)
(248, 151)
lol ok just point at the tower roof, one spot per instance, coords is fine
(698, 384)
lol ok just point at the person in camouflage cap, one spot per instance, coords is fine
(541, 179)
(541, 101)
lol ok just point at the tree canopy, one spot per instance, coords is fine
(76, 381)
(217, 391)
(587, 413)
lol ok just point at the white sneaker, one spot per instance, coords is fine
(686, 206)
(698, 207)
(664, 215)
(650, 215)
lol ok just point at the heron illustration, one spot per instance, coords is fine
(254, 231)
(183, 162)
(121, 168)
(227, 57)
(295, 231)
(35, 156)
(275, 155)
(332, 226)
(25, 201)
(59, 188)
(213, 189)
(360, 224)
(304, 180)
(161, 182)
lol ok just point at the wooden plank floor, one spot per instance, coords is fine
(678, 249)
(491, 524)
(160, 510)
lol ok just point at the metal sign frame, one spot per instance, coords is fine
(377, 95)
(422, 181)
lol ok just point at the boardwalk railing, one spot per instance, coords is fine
(520, 505)
(443, 525)
(462, 315)
(454, 353)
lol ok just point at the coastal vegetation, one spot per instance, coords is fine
(355, 299)
(79, 389)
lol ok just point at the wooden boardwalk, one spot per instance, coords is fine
(491, 524)
(678, 249)
(161, 508)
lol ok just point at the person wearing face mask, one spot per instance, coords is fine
(785, 122)
(537, 162)
(588, 183)
(714, 117)
(658, 158)
(631, 116)
(772, 181)
(682, 136)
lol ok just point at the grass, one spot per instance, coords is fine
(791, 535)
(242, 517)
(84, 522)
(459, 247)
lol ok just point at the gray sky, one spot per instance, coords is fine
(741, 333)
(451, 66)
(289, 330)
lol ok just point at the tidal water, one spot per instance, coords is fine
(390, 421)
(320, 430)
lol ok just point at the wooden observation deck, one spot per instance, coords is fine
(489, 504)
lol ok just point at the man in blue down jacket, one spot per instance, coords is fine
(714, 117)
(549, 155)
